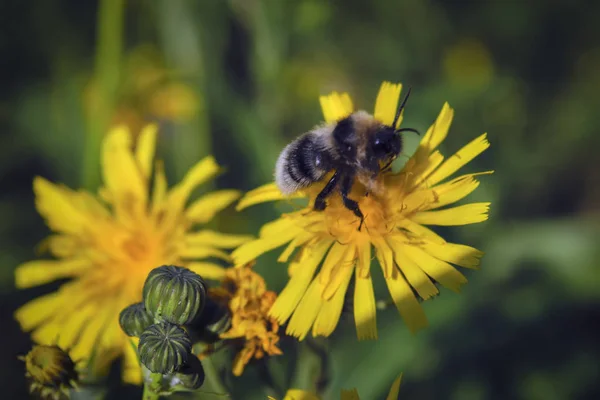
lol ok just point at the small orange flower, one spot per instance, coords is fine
(249, 304)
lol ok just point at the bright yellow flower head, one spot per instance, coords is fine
(108, 247)
(249, 304)
(298, 394)
(411, 255)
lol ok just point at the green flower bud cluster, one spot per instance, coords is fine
(173, 297)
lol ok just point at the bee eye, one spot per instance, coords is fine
(349, 148)
(386, 143)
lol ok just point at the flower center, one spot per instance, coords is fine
(136, 247)
(342, 223)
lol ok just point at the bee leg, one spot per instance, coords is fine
(350, 204)
(320, 203)
(386, 166)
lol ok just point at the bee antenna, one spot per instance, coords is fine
(399, 111)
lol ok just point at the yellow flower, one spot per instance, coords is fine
(51, 371)
(298, 394)
(108, 247)
(249, 304)
(411, 255)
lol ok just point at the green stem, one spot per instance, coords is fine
(151, 389)
(212, 377)
(109, 36)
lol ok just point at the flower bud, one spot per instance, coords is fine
(190, 376)
(134, 319)
(51, 371)
(174, 294)
(219, 321)
(215, 319)
(164, 348)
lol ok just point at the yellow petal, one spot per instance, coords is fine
(86, 344)
(34, 273)
(438, 131)
(73, 323)
(205, 208)
(336, 106)
(38, 310)
(441, 195)
(251, 250)
(58, 206)
(122, 177)
(273, 235)
(343, 269)
(439, 270)
(198, 252)
(90, 205)
(387, 103)
(365, 310)
(204, 170)
(455, 191)
(263, 194)
(329, 314)
(144, 152)
(418, 172)
(61, 246)
(299, 240)
(334, 257)
(131, 365)
(113, 339)
(395, 389)
(459, 254)
(217, 239)
(461, 215)
(159, 192)
(420, 232)
(364, 259)
(406, 303)
(351, 394)
(290, 296)
(306, 312)
(297, 394)
(413, 274)
(200, 173)
(279, 226)
(461, 158)
(384, 255)
(207, 270)
(47, 333)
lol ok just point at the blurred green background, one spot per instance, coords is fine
(240, 78)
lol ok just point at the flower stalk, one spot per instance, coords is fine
(106, 76)
(152, 388)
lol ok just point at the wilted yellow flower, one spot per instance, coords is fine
(411, 255)
(51, 371)
(109, 246)
(298, 394)
(249, 304)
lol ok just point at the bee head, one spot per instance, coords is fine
(386, 144)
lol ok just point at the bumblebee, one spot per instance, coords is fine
(357, 147)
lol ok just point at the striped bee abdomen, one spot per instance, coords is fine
(301, 163)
